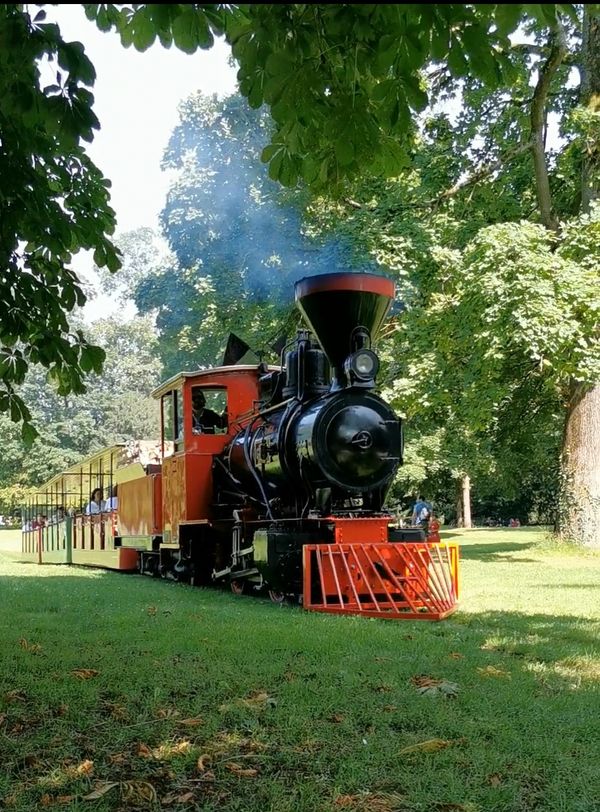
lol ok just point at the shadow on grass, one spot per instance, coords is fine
(496, 552)
(333, 694)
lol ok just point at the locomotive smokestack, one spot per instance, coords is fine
(344, 310)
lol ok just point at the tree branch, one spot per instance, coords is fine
(482, 172)
(538, 123)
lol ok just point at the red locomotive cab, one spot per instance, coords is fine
(200, 413)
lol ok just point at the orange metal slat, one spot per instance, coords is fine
(401, 581)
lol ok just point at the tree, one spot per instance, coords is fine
(53, 202)
(344, 84)
(236, 239)
(335, 117)
(506, 322)
(116, 407)
(343, 81)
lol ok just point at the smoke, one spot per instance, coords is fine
(225, 217)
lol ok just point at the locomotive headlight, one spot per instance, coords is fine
(363, 365)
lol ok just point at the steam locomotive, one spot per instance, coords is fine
(287, 495)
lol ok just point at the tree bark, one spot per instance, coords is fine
(460, 516)
(466, 500)
(579, 509)
(463, 502)
(579, 515)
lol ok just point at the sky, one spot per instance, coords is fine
(136, 99)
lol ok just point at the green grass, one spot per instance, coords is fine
(315, 708)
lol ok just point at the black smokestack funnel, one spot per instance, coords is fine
(335, 304)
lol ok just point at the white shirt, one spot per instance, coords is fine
(112, 503)
(94, 507)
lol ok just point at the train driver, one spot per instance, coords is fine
(205, 421)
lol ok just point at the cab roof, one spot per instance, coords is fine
(177, 380)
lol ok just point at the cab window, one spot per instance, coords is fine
(172, 420)
(209, 410)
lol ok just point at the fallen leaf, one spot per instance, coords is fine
(192, 722)
(237, 769)
(337, 718)
(143, 751)
(46, 800)
(65, 799)
(422, 680)
(136, 792)
(428, 686)
(15, 696)
(174, 798)
(101, 789)
(203, 761)
(85, 768)
(429, 746)
(494, 780)
(33, 648)
(490, 671)
(85, 673)
(389, 708)
(116, 711)
(455, 655)
(167, 713)
(183, 799)
(118, 758)
(166, 751)
(151, 610)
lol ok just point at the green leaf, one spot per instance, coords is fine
(344, 151)
(507, 17)
(275, 165)
(440, 40)
(191, 31)
(456, 60)
(279, 63)
(269, 152)
(28, 434)
(144, 31)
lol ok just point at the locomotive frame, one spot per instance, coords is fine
(288, 497)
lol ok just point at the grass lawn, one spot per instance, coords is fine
(149, 695)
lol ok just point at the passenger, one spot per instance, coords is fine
(205, 421)
(421, 512)
(59, 516)
(95, 505)
(112, 503)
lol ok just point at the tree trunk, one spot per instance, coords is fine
(463, 502)
(538, 118)
(460, 516)
(590, 97)
(466, 500)
(579, 510)
(579, 517)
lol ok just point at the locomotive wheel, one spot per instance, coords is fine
(276, 597)
(237, 587)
